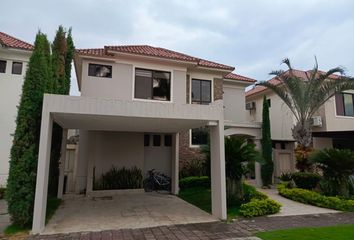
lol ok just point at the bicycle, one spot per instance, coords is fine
(156, 181)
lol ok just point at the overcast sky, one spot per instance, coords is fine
(254, 35)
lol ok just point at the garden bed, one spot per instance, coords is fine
(196, 190)
(315, 198)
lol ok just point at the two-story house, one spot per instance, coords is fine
(14, 56)
(146, 107)
(333, 124)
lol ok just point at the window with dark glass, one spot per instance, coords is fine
(154, 85)
(168, 140)
(146, 140)
(17, 68)
(157, 140)
(98, 70)
(2, 66)
(200, 136)
(345, 104)
(201, 91)
(269, 102)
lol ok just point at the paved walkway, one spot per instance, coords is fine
(4, 217)
(240, 229)
(291, 208)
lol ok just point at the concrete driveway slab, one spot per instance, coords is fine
(127, 210)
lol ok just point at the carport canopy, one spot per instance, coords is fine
(130, 116)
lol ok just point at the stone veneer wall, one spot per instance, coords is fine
(186, 153)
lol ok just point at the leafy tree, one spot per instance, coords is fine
(237, 152)
(305, 96)
(24, 151)
(337, 166)
(267, 166)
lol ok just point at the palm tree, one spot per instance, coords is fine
(304, 96)
(237, 153)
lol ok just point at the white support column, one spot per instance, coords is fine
(175, 164)
(257, 165)
(218, 180)
(40, 203)
(90, 166)
(62, 164)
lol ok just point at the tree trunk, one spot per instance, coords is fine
(302, 133)
(234, 189)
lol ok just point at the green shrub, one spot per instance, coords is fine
(259, 208)
(191, 182)
(286, 176)
(306, 180)
(251, 192)
(2, 192)
(195, 167)
(314, 198)
(122, 178)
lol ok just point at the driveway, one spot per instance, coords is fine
(126, 210)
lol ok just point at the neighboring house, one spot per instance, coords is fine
(147, 107)
(333, 124)
(14, 56)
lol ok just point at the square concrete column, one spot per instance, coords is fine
(218, 180)
(175, 164)
(40, 201)
(62, 164)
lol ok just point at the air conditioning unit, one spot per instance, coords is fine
(250, 105)
(317, 121)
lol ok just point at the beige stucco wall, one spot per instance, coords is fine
(121, 85)
(334, 122)
(281, 118)
(117, 149)
(234, 103)
(10, 92)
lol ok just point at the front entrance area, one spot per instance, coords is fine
(123, 210)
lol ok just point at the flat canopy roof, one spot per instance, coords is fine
(129, 116)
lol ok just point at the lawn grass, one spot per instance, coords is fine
(52, 206)
(340, 232)
(201, 197)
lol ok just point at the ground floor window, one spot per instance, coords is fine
(199, 136)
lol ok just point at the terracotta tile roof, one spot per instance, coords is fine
(298, 73)
(146, 50)
(237, 77)
(12, 42)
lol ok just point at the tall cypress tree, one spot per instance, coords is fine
(62, 55)
(267, 166)
(24, 152)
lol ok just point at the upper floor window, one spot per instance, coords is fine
(2, 66)
(345, 104)
(98, 70)
(17, 68)
(151, 84)
(201, 91)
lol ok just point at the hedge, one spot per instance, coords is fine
(306, 180)
(191, 182)
(316, 199)
(259, 208)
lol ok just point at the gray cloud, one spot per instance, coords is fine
(251, 35)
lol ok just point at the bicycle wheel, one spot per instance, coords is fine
(148, 185)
